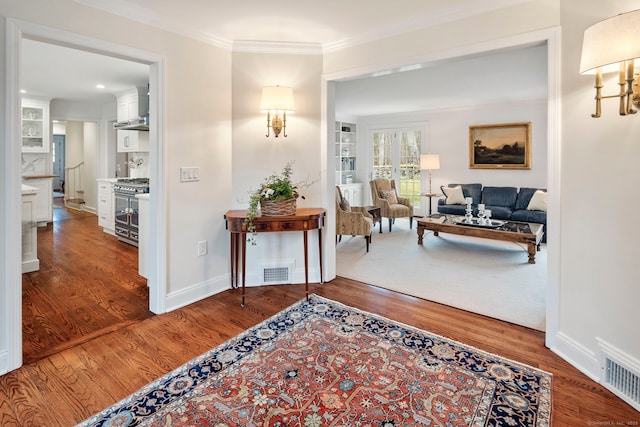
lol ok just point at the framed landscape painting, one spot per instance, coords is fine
(501, 146)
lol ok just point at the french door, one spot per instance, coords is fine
(396, 155)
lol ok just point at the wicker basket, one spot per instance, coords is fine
(278, 207)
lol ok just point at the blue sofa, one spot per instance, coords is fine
(505, 203)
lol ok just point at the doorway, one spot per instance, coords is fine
(58, 160)
(395, 154)
(15, 32)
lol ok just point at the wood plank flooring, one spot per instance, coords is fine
(87, 286)
(67, 387)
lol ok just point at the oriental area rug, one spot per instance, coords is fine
(321, 363)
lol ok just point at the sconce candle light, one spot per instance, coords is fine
(612, 45)
(277, 100)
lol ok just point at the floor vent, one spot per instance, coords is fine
(621, 375)
(276, 275)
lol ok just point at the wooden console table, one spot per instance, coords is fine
(304, 220)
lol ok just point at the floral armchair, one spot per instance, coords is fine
(352, 220)
(392, 206)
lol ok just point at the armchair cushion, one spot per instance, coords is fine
(344, 205)
(389, 195)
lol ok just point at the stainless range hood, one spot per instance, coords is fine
(139, 123)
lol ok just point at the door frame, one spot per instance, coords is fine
(551, 36)
(10, 251)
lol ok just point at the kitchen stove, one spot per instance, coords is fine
(126, 207)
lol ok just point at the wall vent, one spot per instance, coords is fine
(621, 374)
(276, 274)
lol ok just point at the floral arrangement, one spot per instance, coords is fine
(276, 187)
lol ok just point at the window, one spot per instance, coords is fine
(396, 155)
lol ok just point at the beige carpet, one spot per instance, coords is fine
(479, 275)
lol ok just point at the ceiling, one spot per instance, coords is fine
(72, 75)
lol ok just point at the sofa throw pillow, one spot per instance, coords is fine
(344, 205)
(538, 201)
(454, 195)
(389, 196)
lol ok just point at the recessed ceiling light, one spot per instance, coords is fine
(100, 86)
(23, 91)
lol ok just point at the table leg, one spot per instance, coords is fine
(232, 244)
(420, 233)
(244, 263)
(531, 248)
(306, 266)
(320, 251)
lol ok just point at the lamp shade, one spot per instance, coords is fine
(610, 42)
(277, 98)
(429, 162)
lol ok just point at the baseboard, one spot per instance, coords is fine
(197, 292)
(579, 356)
(4, 357)
(29, 266)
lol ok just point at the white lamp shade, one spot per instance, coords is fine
(610, 42)
(429, 162)
(277, 98)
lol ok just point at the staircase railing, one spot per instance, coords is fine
(73, 185)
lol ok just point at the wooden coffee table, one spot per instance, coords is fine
(510, 231)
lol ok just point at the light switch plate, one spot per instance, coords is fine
(189, 174)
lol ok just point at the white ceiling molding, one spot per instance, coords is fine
(127, 9)
(421, 22)
(277, 47)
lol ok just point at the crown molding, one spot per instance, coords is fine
(128, 10)
(277, 47)
(421, 22)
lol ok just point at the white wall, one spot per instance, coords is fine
(255, 156)
(600, 175)
(90, 158)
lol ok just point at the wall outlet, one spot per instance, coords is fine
(202, 248)
(189, 174)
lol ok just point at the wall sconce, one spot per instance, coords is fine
(277, 100)
(429, 162)
(612, 45)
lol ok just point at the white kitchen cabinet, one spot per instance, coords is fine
(353, 193)
(132, 103)
(106, 213)
(36, 134)
(132, 141)
(43, 208)
(30, 261)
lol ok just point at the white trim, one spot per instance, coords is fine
(10, 257)
(197, 292)
(554, 165)
(129, 10)
(552, 37)
(277, 47)
(10, 260)
(577, 355)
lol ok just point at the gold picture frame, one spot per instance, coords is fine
(500, 146)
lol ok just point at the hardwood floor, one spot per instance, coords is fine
(67, 387)
(87, 286)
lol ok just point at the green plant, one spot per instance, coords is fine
(274, 187)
